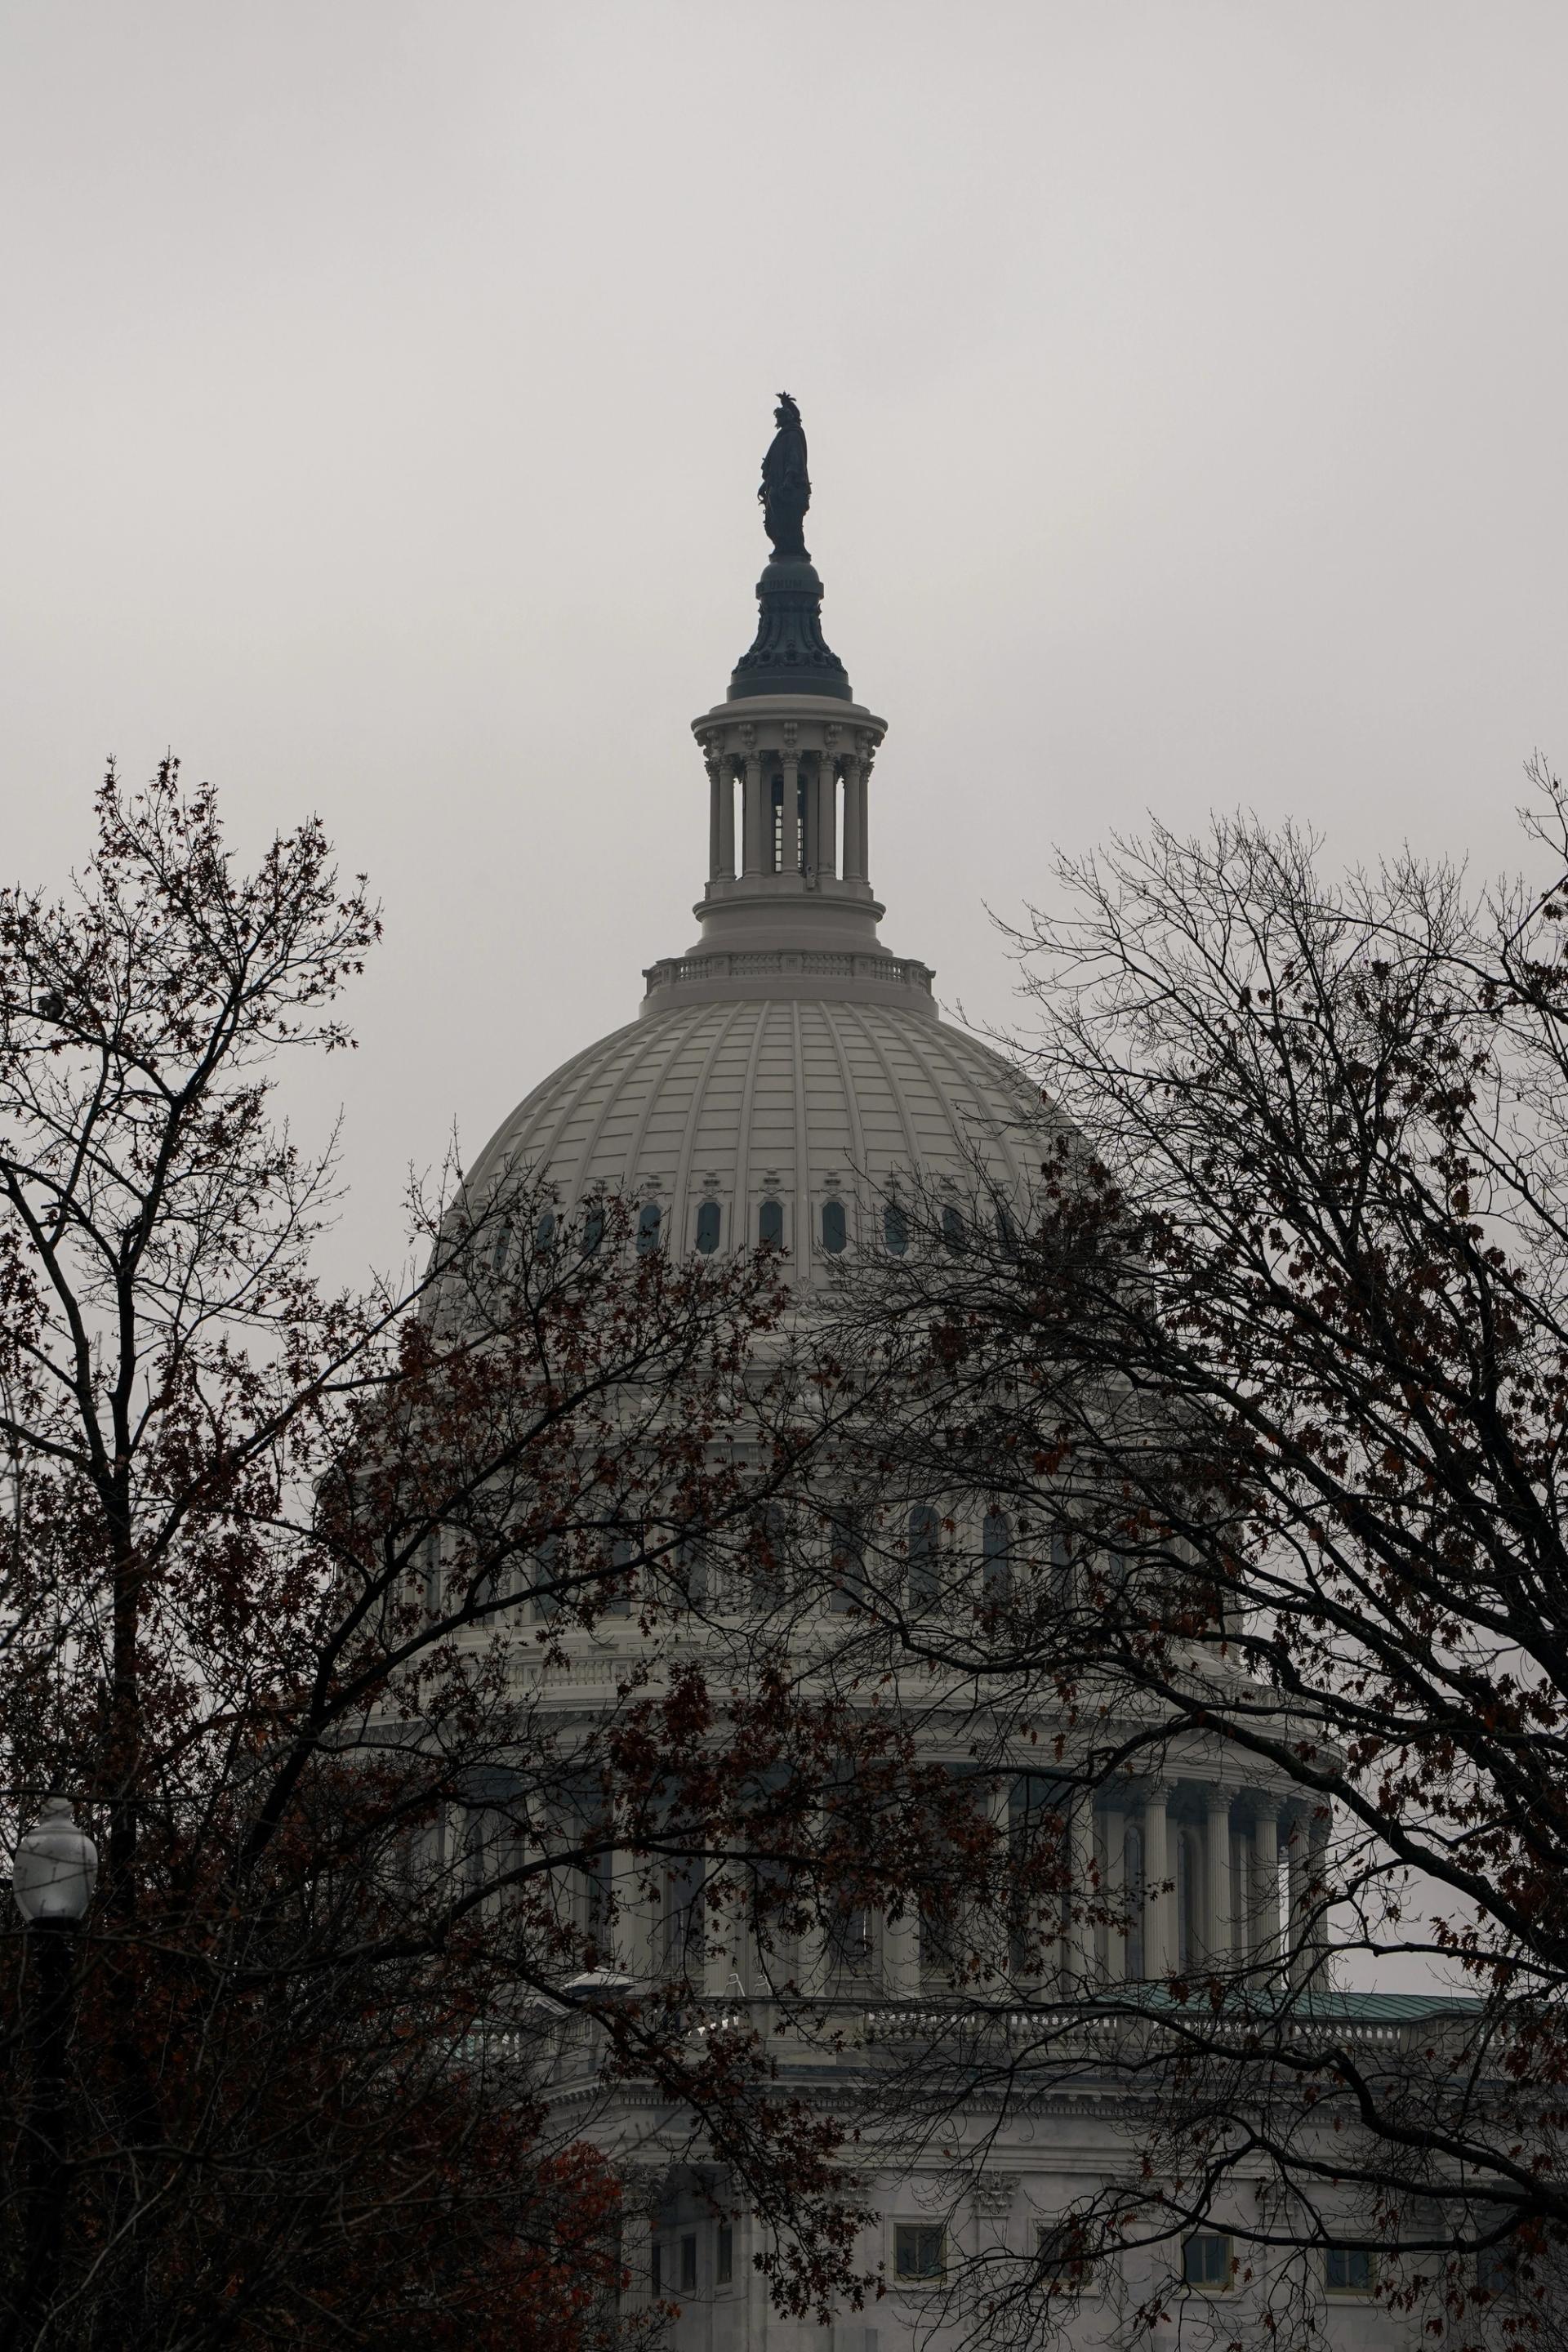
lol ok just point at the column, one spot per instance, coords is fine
(726, 819)
(995, 1929)
(810, 1952)
(1115, 1896)
(854, 871)
(628, 1931)
(789, 838)
(1295, 1894)
(826, 817)
(1159, 1901)
(715, 780)
(807, 796)
(1318, 1897)
(754, 832)
(719, 1957)
(863, 854)
(1081, 1893)
(1263, 1906)
(641, 2184)
(902, 1955)
(1218, 1901)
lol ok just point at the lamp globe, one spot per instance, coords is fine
(55, 1869)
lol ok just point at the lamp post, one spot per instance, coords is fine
(53, 1878)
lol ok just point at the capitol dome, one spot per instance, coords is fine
(793, 1119)
(788, 1078)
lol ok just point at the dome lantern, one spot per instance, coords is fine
(789, 755)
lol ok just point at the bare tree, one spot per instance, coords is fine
(366, 1632)
(1266, 1384)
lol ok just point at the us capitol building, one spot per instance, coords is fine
(785, 1076)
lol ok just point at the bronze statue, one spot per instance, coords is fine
(786, 493)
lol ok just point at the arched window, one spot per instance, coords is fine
(996, 1559)
(925, 1581)
(834, 1227)
(544, 1232)
(708, 1222)
(648, 1221)
(593, 1230)
(952, 1227)
(770, 1224)
(1132, 1896)
(895, 1228)
(502, 1248)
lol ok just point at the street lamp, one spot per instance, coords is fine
(53, 1878)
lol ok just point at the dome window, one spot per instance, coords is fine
(544, 1232)
(648, 1221)
(895, 1229)
(708, 1219)
(952, 1227)
(834, 1227)
(770, 1224)
(593, 1230)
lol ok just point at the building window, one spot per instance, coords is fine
(770, 1224)
(549, 1577)
(852, 1941)
(1064, 2267)
(657, 2268)
(924, 1581)
(544, 1233)
(952, 1227)
(691, 1574)
(708, 1220)
(996, 1549)
(649, 1223)
(847, 1591)
(834, 1227)
(769, 1555)
(1497, 2269)
(895, 1229)
(1132, 1896)
(1206, 2262)
(724, 2255)
(920, 2253)
(593, 1230)
(1350, 2269)
(687, 2265)
(618, 1592)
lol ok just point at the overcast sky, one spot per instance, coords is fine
(385, 386)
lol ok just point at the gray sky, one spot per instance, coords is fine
(386, 387)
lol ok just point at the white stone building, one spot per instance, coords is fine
(785, 1073)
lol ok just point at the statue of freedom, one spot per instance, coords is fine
(786, 493)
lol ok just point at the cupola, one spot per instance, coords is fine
(789, 754)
